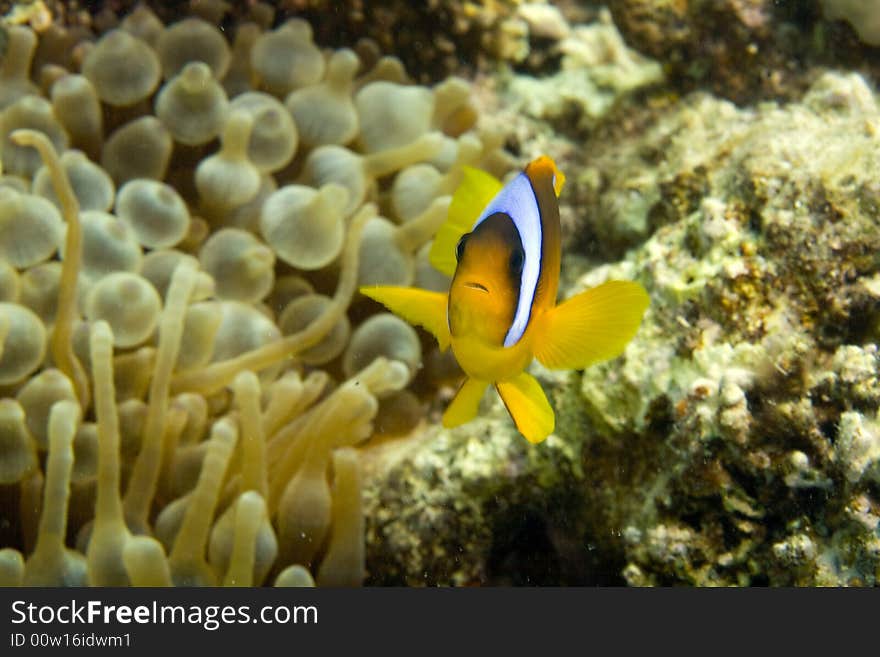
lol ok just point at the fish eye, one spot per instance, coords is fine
(459, 249)
(517, 259)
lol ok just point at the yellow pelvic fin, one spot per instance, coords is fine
(466, 403)
(416, 306)
(592, 326)
(528, 406)
(477, 188)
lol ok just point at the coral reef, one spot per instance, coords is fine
(188, 374)
(765, 392)
(192, 392)
(736, 441)
(436, 38)
(596, 70)
(863, 16)
(748, 50)
(730, 45)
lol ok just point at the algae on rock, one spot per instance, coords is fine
(750, 387)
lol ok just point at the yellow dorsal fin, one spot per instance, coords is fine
(465, 404)
(547, 166)
(477, 188)
(421, 307)
(591, 326)
(528, 406)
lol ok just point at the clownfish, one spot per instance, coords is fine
(501, 245)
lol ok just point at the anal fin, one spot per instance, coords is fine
(465, 404)
(528, 406)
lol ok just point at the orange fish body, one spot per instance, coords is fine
(502, 247)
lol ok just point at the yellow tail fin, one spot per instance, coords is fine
(592, 326)
(466, 403)
(477, 188)
(421, 307)
(528, 406)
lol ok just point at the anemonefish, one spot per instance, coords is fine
(501, 245)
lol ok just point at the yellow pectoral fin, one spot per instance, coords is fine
(464, 406)
(592, 326)
(528, 406)
(421, 307)
(477, 188)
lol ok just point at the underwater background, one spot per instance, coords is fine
(192, 391)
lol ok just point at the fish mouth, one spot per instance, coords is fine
(476, 286)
